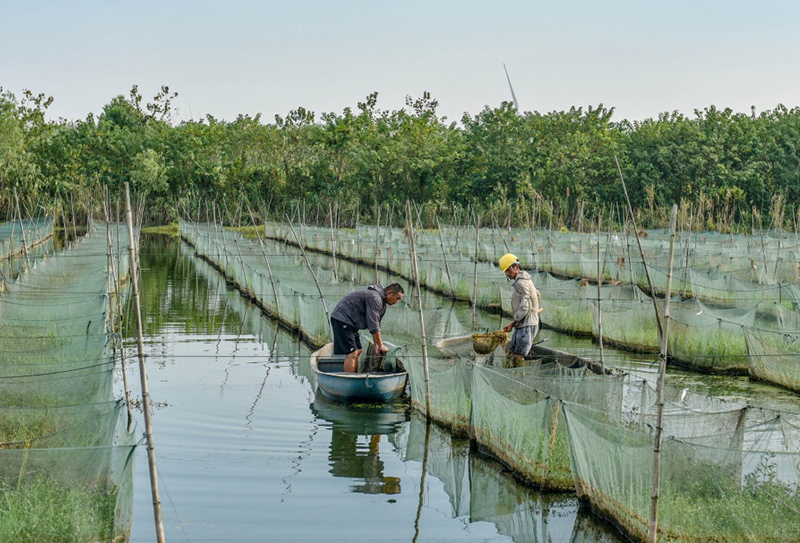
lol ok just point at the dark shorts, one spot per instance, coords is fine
(522, 340)
(346, 338)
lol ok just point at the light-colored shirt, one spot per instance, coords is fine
(525, 301)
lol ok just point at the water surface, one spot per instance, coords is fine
(247, 451)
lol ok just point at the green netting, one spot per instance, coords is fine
(65, 454)
(24, 425)
(709, 339)
(630, 324)
(521, 427)
(736, 271)
(708, 492)
(450, 390)
(774, 356)
(68, 494)
(566, 427)
(33, 231)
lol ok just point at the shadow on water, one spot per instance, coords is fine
(248, 451)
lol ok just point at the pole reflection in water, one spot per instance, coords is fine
(482, 490)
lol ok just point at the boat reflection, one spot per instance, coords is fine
(356, 434)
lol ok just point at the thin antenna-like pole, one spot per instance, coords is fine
(148, 423)
(513, 96)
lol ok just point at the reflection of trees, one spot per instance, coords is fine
(174, 289)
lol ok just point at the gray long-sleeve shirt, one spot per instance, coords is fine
(362, 309)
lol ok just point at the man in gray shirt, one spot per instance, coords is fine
(361, 310)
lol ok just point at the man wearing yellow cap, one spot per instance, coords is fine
(525, 309)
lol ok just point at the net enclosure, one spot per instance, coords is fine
(66, 452)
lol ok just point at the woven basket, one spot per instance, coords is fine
(486, 343)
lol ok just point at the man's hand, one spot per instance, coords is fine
(382, 349)
(508, 327)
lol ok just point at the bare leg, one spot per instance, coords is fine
(351, 362)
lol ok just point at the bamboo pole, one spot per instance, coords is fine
(333, 244)
(599, 294)
(475, 272)
(763, 251)
(358, 232)
(313, 275)
(630, 257)
(494, 241)
(148, 423)
(641, 250)
(444, 255)
(377, 241)
(662, 370)
(35, 223)
(266, 259)
(22, 233)
(116, 320)
(686, 257)
(502, 237)
(415, 269)
(74, 230)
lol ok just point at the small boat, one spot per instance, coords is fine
(462, 347)
(339, 385)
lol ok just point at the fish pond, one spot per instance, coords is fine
(247, 451)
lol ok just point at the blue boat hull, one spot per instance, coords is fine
(338, 385)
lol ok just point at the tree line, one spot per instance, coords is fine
(724, 168)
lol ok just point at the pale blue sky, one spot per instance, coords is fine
(229, 57)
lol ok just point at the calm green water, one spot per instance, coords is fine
(247, 452)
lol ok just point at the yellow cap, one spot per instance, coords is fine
(506, 261)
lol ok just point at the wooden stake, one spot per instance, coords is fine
(414, 268)
(377, 239)
(333, 244)
(444, 255)
(116, 320)
(599, 294)
(22, 233)
(148, 423)
(641, 250)
(475, 272)
(313, 275)
(266, 259)
(662, 370)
